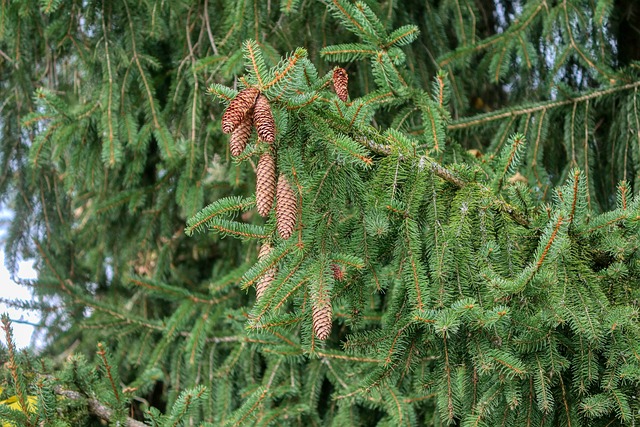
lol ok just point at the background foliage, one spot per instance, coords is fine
(494, 286)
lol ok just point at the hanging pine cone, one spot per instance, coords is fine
(286, 208)
(240, 135)
(338, 274)
(268, 277)
(265, 184)
(263, 120)
(340, 81)
(322, 313)
(238, 109)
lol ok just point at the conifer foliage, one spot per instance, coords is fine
(455, 232)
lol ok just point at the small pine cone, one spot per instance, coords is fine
(340, 81)
(263, 120)
(238, 109)
(322, 319)
(338, 274)
(240, 135)
(265, 184)
(286, 208)
(268, 277)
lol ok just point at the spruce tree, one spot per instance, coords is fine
(323, 212)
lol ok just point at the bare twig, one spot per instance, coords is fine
(208, 25)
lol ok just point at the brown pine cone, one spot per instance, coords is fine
(240, 135)
(238, 109)
(338, 274)
(263, 120)
(265, 184)
(268, 277)
(340, 82)
(286, 208)
(322, 313)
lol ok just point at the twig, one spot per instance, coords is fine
(208, 25)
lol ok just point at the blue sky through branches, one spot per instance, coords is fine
(9, 290)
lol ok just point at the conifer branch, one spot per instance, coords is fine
(241, 230)
(577, 48)
(575, 195)
(111, 133)
(550, 242)
(517, 27)
(349, 17)
(482, 119)
(68, 288)
(379, 144)
(95, 406)
(447, 372)
(14, 368)
(279, 75)
(338, 356)
(279, 285)
(392, 347)
(263, 394)
(40, 144)
(256, 64)
(350, 51)
(278, 323)
(217, 208)
(161, 135)
(107, 366)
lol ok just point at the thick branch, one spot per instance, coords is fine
(95, 407)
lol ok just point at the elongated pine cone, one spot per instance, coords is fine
(268, 277)
(338, 274)
(322, 319)
(265, 184)
(340, 82)
(263, 120)
(286, 208)
(240, 135)
(238, 109)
